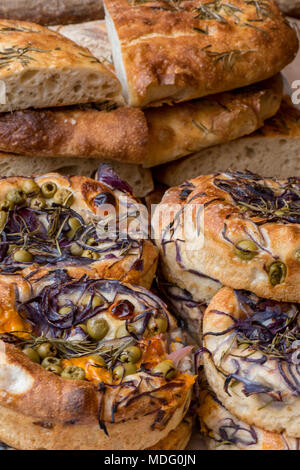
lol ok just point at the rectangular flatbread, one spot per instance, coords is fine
(180, 50)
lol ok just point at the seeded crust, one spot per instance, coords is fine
(224, 226)
(164, 53)
(213, 417)
(84, 191)
(273, 414)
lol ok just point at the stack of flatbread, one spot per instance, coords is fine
(155, 82)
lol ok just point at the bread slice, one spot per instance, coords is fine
(273, 150)
(290, 7)
(51, 11)
(181, 50)
(40, 68)
(139, 178)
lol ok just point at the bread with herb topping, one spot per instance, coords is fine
(238, 228)
(224, 431)
(51, 408)
(40, 68)
(252, 359)
(189, 49)
(274, 149)
(48, 12)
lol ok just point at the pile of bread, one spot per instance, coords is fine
(90, 358)
(160, 123)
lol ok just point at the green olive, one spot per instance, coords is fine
(3, 219)
(83, 327)
(55, 369)
(32, 355)
(246, 250)
(132, 354)
(15, 197)
(76, 250)
(123, 370)
(98, 360)
(29, 186)
(51, 361)
(64, 197)
(97, 328)
(157, 326)
(90, 254)
(6, 205)
(23, 256)
(297, 254)
(73, 373)
(37, 203)
(165, 368)
(277, 273)
(75, 225)
(46, 350)
(91, 242)
(64, 310)
(12, 247)
(48, 189)
(122, 331)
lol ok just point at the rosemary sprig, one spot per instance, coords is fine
(227, 58)
(19, 54)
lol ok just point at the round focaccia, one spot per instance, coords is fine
(223, 431)
(239, 229)
(56, 221)
(176, 440)
(251, 358)
(88, 364)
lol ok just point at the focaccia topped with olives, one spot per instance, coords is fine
(55, 221)
(251, 358)
(88, 364)
(237, 228)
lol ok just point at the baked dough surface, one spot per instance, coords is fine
(251, 359)
(191, 49)
(224, 212)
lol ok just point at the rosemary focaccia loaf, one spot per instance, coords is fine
(95, 359)
(139, 178)
(290, 7)
(76, 223)
(95, 131)
(41, 68)
(251, 359)
(239, 229)
(224, 431)
(189, 49)
(274, 149)
(130, 135)
(51, 11)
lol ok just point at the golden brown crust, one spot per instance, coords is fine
(225, 224)
(137, 266)
(178, 438)
(224, 431)
(48, 12)
(35, 57)
(129, 135)
(261, 391)
(285, 123)
(207, 55)
(120, 134)
(185, 128)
